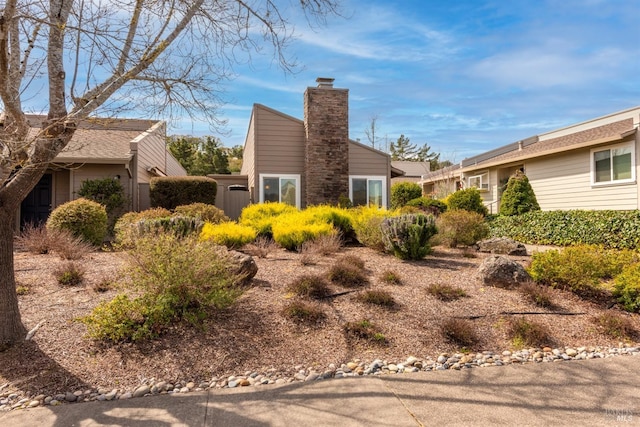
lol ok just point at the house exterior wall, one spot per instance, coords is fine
(61, 193)
(563, 182)
(364, 161)
(278, 148)
(326, 123)
(249, 157)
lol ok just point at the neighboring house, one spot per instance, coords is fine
(412, 171)
(591, 165)
(130, 150)
(313, 161)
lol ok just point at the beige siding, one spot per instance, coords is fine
(61, 193)
(151, 150)
(174, 168)
(278, 147)
(249, 158)
(563, 182)
(365, 161)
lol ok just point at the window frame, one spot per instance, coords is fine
(369, 178)
(480, 176)
(612, 181)
(295, 177)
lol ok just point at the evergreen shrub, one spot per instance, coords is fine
(407, 236)
(83, 218)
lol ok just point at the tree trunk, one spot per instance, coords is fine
(11, 328)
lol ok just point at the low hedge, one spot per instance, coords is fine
(608, 228)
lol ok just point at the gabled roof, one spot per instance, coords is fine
(415, 169)
(99, 140)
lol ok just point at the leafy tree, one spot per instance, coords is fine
(404, 150)
(159, 58)
(210, 158)
(183, 149)
(519, 197)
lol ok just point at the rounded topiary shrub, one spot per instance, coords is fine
(519, 197)
(402, 192)
(202, 211)
(83, 218)
(468, 199)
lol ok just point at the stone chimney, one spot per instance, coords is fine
(326, 123)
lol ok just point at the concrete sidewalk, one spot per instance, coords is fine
(586, 393)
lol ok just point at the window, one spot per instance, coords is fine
(613, 165)
(481, 181)
(368, 190)
(280, 188)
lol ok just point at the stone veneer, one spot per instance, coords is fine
(326, 122)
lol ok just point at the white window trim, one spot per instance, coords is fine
(280, 176)
(480, 175)
(368, 178)
(592, 167)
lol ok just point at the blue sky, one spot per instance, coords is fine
(462, 76)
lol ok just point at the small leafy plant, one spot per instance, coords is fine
(365, 330)
(407, 236)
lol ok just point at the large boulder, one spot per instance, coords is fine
(502, 246)
(243, 266)
(501, 272)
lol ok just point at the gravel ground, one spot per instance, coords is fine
(254, 337)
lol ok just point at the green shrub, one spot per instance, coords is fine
(579, 268)
(229, 234)
(468, 199)
(461, 227)
(402, 192)
(432, 206)
(627, 288)
(519, 197)
(83, 218)
(291, 230)
(121, 319)
(611, 229)
(178, 279)
(407, 236)
(202, 211)
(261, 216)
(366, 222)
(108, 192)
(339, 218)
(170, 192)
(126, 230)
(179, 226)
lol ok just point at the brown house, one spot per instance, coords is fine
(130, 150)
(313, 161)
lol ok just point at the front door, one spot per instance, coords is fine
(36, 206)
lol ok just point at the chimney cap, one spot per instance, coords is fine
(325, 81)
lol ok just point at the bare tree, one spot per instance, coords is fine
(371, 131)
(166, 57)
